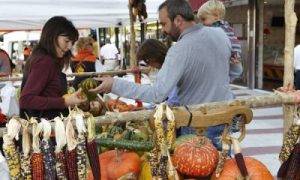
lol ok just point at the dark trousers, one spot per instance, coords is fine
(297, 80)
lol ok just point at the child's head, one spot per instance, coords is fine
(211, 11)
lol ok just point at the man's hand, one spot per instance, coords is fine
(105, 86)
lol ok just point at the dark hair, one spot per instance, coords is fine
(153, 50)
(178, 7)
(54, 27)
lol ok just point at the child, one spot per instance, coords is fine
(212, 13)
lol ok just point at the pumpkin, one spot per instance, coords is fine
(117, 164)
(255, 168)
(196, 157)
(182, 139)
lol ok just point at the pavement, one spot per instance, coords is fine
(264, 135)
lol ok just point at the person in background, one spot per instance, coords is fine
(153, 53)
(109, 51)
(5, 63)
(44, 86)
(84, 60)
(190, 65)
(297, 66)
(26, 52)
(212, 13)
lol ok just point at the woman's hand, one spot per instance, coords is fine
(74, 98)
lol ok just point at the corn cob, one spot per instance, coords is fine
(294, 164)
(37, 165)
(61, 164)
(48, 151)
(170, 135)
(10, 151)
(91, 147)
(25, 157)
(289, 141)
(71, 164)
(81, 146)
(222, 159)
(12, 158)
(71, 152)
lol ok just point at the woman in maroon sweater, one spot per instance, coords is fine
(44, 85)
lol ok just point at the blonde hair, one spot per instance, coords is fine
(83, 42)
(214, 8)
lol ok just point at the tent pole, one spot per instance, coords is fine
(260, 44)
(133, 61)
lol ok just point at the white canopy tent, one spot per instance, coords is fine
(32, 14)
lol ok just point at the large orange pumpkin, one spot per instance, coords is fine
(256, 170)
(196, 157)
(115, 165)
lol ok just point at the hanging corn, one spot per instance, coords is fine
(48, 151)
(61, 141)
(10, 150)
(81, 146)
(164, 140)
(91, 147)
(37, 164)
(25, 156)
(71, 150)
(290, 140)
(222, 158)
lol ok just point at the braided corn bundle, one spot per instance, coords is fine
(289, 141)
(10, 151)
(91, 147)
(71, 154)
(61, 141)
(48, 151)
(25, 157)
(154, 161)
(37, 163)
(222, 158)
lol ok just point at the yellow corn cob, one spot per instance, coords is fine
(289, 141)
(26, 167)
(13, 161)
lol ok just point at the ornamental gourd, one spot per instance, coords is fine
(256, 170)
(196, 157)
(86, 85)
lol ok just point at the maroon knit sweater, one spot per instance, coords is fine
(43, 89)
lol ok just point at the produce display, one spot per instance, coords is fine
(118, 151)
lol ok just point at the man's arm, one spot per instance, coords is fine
(166, 80)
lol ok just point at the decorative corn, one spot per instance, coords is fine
(91, 147)
(289, 141)
(25, 157)
(294, 165)
(222, 158)
(48, 151)
(9, 148)
(81, 146)
(37, 165)
(71, 164)
(13, 161)
(61, 164)
(71, 152)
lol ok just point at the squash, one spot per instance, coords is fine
(115, 164)
(255, 168)
(196, 157)
(125, 144)
(86, 85)
(182, 139)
